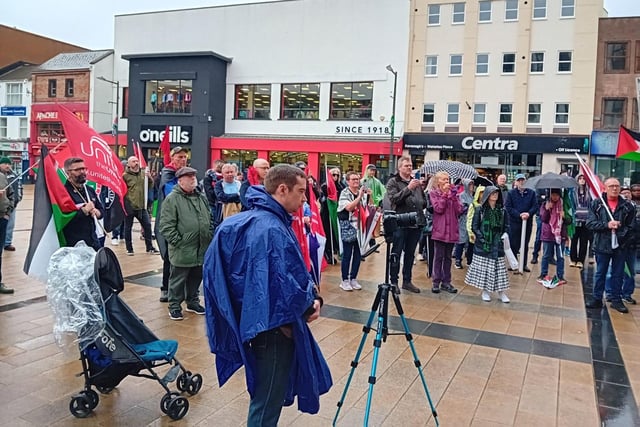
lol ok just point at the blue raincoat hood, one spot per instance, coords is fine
(255, 280)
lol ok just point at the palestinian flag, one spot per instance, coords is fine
(53, 208)
(628, 145)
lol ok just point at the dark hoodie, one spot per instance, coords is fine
(495, 248)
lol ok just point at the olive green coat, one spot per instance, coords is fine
(185, 223)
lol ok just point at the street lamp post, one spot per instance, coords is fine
(393, 117)
(117, 120)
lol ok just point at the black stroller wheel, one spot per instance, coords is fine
(104, 390)
(92, 396)
(195, 384)
(183, 381)
(80, 406)
(166, 399)
(178, 408)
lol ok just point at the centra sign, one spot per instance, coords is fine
(177, 134)
(498, 144)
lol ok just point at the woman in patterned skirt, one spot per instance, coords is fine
(488, 270)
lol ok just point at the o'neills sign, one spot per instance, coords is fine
(177, 134)
(496, 143)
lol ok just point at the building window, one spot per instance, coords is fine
(431, 67)
(511, 10)
(453, 113)
(613, 112)
(455, 66)
(351, 100)
(14, 93)
(24, 127)
(300, 101)
(428, 113)
(252, 102)
(484, 11)
(167, 96)
(3, 127)
(434, 14)
(637, 56)
(533, 116)
(564, 61)
(53, 84)
(568, 9)
(479, 114)
(634, 122)
(616, 60)
(458, 13)
(68, 88)
(508, 63)
(539, 9)
(506, 111)
(482, 63)
(537, 62)
(562, 114)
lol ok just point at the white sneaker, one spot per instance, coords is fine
(503, 296)
(345, 285)
(115, 242)
(355, 285)
(486, 296)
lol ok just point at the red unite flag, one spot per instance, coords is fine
(165, 147)
(137, 151)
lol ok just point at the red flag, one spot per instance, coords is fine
(628, 145)
(298, 228)
(103, 165)
(596, 187)
(316, 222)
(332, 191)
(137, 151)
(165, 147)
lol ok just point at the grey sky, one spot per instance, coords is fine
(90, 24)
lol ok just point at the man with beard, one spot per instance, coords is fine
(167, 182)
(83, 225)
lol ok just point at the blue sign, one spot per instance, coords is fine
(604, 143)
(13, 111)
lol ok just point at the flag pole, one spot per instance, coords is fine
(30, 168)
(589, 172)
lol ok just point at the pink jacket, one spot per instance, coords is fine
(446, 210)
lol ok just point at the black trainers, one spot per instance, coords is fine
(163, 296)
(196, 308)
(129, 253)
(593, 303)
(408, 286)
(534, 260)
(629, 300)
(526, 269)
(5, 290)
(153, 251)
(447, 287)
(175, 315)
(435, 289)
(458, 265)
(618, 305)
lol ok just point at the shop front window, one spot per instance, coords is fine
(286, 157)
(50, 133)
(300, 101)
(168, 96)
(346, 163)
(351, 101)
(241, 158)
(626, 171)
(490, 165)
(252, 102)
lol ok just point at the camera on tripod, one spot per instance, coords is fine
(392, 221)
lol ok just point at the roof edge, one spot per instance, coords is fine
(130, 56)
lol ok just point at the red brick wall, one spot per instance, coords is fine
(80, 86)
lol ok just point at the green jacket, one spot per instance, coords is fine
(185, 223)
(6, 203)
(135, 188)
(377, 189)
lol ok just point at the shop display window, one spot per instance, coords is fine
(351, 101)
(252, 102)
(50, 133)
(300, 101)
(168, 96)
(241, 158)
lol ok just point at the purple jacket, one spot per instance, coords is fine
(446, 211)
(545, 234)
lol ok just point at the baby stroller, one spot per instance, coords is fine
(125, 346)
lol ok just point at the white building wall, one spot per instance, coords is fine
(102, 95)
(13, 122)
(298, 41)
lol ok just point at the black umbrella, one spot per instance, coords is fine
(551, 180)
(454, 169)
(481, 180)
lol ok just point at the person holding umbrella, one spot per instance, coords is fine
(553, 236)
(521, 205)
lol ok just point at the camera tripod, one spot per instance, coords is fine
(381, 307)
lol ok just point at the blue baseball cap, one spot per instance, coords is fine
(520, 176)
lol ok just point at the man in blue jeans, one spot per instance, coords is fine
(259, 298)
(611, 241)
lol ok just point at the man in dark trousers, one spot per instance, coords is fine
(83, 225)
(167, 182)
(16, 186)
(135, 201)
(6, 207)
(521, 204)
(612, 239)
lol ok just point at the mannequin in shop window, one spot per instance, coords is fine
(163, 106)
(179, 100)
(154, 101)
(187, 102)
(169, 103)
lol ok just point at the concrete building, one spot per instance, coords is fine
(287, 81)
(72, 80)
(502, 85)
(616, 96)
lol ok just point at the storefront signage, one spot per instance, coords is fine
(13, 146)
(363, 130)
(13, 111)
(46, 115)
(496, 143)
(604, 143)
(177, 134)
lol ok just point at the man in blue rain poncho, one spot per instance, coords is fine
(259, 298)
